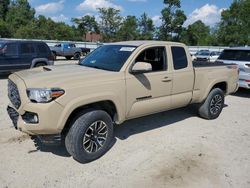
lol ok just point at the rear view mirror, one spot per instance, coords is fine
(141, 67)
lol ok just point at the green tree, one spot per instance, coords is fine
(128, 29)
(86, 24)
(234, 28)
(110, 23)
(46, 28)
(64, 32)
(172, 20)
(146, 27)
(4, 30)
(19, 14)
(197, 34)
(4, 8)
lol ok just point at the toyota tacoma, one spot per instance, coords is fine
(80, 104)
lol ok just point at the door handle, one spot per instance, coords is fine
(166, 79)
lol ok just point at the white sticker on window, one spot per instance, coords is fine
(127, 49)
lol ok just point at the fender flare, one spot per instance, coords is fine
(88, 100)
(34, 61)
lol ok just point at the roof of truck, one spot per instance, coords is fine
(144, 42)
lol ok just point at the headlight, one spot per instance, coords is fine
(44, 95)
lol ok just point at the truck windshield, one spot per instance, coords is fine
(108, 57)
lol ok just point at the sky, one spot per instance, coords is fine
(208, 11)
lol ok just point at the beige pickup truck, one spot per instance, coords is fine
(116, 82)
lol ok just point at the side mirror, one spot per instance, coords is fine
(141, 67)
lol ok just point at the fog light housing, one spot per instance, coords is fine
(30, 117)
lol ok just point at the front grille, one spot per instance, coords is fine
(13, 94)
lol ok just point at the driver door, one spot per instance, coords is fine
(149, 92)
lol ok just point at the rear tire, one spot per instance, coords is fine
(90, 136)
(77, 56)
(213, 105)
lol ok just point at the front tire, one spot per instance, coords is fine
(90, 136)
(213, 105)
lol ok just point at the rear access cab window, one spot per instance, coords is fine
(179, 57)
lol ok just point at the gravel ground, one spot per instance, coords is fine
(170, 149)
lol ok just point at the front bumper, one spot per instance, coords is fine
(48, 115)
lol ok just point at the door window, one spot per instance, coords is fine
(156, 56)
(42, 49)
(10, 50)
(26, 48)
(179, 57)
(72, 45)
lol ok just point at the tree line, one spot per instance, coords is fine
(17, 19)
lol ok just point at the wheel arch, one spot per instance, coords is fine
(39, 60)
(105, 105)
(222, 84)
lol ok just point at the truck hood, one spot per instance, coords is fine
(65, 76)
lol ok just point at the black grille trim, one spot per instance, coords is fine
(13, 94)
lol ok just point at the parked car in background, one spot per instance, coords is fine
(67, 50)
(19, 55)
(207, 56)
(241, 57)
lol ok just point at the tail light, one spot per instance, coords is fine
(51, 57)
(247, 81)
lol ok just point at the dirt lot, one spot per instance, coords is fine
(170, 149)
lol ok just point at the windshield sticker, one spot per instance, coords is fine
(127, 49)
